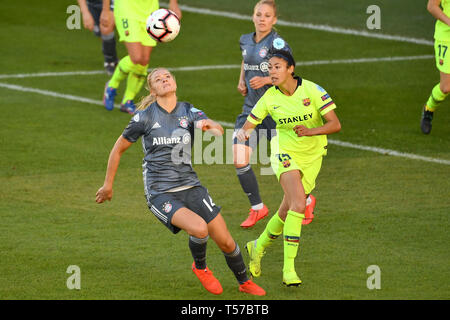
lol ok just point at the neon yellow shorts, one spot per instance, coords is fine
(442, 54)
(131, 29)
(287, 162)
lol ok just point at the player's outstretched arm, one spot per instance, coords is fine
(436, 11)
(106, 191)
(332, 125)
(211, 126)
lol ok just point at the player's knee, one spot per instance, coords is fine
(137, 59)
(228, 245)
(240, 163)
(445, 87)
(199, 230)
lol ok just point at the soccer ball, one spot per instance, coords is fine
(163, 25)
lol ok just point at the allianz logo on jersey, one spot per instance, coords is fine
(263, 66)
(184, 139)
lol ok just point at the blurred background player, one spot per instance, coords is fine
(91, 11)
(254, 81)
(441, 45)
(296, 154)
(130, 19)
(173, 191)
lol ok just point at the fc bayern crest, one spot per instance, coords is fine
(263, 52)
(184, 123)
(167, 207)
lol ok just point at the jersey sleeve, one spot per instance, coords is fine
(259, 112)
(324, 103)
(135, 128)
(196, 114)
(241, 43)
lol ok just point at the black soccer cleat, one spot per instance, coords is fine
(425, 123)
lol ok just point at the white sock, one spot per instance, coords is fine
(258, 206)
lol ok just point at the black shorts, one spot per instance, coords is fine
(196, 199)
(266, 128)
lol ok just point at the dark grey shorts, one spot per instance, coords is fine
(196, 199)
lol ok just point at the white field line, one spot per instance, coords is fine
(218, 67)
(311, 26)
(52, 94)
(231, 125)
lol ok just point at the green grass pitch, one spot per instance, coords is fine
(372, 209)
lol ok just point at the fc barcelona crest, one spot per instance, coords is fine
(284, 159)
(306, 102)
(441, 61)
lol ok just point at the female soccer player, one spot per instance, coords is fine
(298, 107)
(173, 191)
(441, 44)
(254, 80)
(130, 18)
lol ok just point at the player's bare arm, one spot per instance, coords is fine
(332, 125)
(88, 20)
(259, 82)
(242, 87)
(210, 126)
(106, 191)
(436, 11)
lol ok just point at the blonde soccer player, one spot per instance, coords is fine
(253, 82)
(173, 191)
(304, 114)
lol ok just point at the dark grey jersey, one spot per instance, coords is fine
(255, 57)
(166, 140)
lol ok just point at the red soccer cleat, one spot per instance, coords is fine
(208, 280)
(254, 216)
(252, 288)
(309, 212)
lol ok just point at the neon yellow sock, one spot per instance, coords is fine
(122, 70)
(292, 230)
(135, 81)
(273, 229)
(435, 99)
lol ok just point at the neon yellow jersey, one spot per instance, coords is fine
(442, 30)
(305, 107)
(135, 9)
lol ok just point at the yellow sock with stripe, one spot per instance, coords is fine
(124, 67)
(273, 229)
(435, 99)
(135, 80)
(291, 231)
